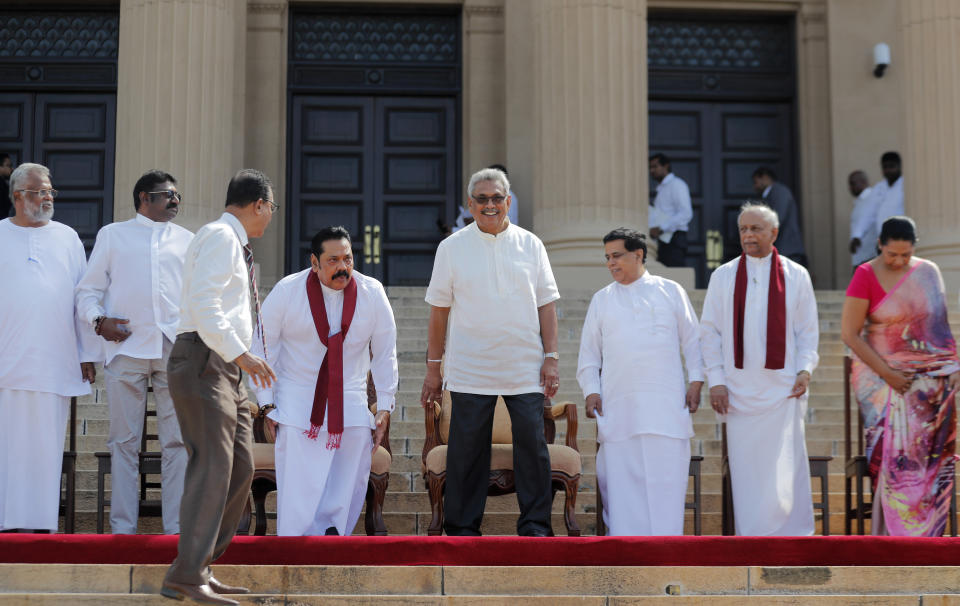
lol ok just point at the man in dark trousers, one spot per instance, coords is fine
(213, 345)
(778, 196)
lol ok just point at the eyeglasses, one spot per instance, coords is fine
(169, 193)
(43, 193)
(482, 200)
(273, 207)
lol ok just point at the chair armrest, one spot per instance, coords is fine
(568, 411)
(431, 424)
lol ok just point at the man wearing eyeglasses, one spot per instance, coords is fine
(46, 356)
(130, 295)
(492, 280)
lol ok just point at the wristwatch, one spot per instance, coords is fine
(552, 354)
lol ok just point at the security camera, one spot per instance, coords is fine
(881, 59)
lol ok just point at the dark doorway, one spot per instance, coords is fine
(722, 103)
(374, 144)
(58, 80)
(715, 147)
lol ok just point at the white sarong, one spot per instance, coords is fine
(31, 458)
(643, 480)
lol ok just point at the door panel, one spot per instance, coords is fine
(384, 168)
(715, 147)
(16, 126)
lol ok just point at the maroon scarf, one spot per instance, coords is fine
(776, 313)
(330, 378)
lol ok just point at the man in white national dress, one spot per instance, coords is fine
(632, 378)
(758, 334)
(46, 354)
(325, 327)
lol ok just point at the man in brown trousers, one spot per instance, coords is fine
(212, 347)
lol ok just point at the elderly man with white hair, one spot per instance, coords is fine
(493, 282)
(758, 334)
(46, 355)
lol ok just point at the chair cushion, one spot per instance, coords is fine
(562, 458)
(380, 463)
(501, 421)
(263, 457)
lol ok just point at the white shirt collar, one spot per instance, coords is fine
(144, 220)
(491, 237)
(766, 191)
(760, 260)
(670, 177)
(330, 292)
(231, 220)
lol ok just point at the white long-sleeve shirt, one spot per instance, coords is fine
(887, 201)
(672, 208)
(42, 340)
(215, 300)
(630, 349)
(296, 353)
(135, 273)
(755, 388)
(863, 227)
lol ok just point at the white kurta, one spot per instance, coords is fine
(887, 201)
(672, 209)
(316, 487)
(768, 459)
(630, 354)
(863, 227)
(41, 346)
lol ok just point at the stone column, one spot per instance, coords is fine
(590, 71)
(930, 31)
(180, 93)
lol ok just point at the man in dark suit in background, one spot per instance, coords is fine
(777, 196)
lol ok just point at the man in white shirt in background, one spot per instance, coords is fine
(671, 213)
(47, 355)
(863, 231)
(212, 347)
(319, 402)
(758, 334)
(130, 295)
(493, 281)
(888, 192)
(631, 375)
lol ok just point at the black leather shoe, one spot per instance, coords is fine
(224, 588)
(331, 532)
(198, 593)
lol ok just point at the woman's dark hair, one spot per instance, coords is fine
(898, 228)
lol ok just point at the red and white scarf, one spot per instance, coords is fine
(329, 388)
(776, 313)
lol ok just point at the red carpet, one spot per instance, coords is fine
(496, 551)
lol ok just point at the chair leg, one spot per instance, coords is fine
(373, 518)
(435, 485)
(103, 468)
(570, 506)
(260, 491)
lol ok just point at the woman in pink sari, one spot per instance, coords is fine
(905, 377)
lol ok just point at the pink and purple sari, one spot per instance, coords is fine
(911, 437)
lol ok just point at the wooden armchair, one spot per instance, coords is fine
(265, 477)
(565, 462)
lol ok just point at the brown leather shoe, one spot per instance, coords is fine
(224, 588)
(197, 593)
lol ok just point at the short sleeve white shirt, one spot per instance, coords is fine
(493, 285)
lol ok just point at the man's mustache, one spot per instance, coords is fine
(341, 274)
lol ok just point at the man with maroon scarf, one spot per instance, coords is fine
(325, 327)
(758, 334)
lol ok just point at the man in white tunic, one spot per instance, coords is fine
(493, 282)
(632, 378)
(130, 294)
(863, 231)
(670, 214)
(888, 193)
(46, 354)
(324, 445)
(759, 334)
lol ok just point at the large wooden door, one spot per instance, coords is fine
(74, 136)
(384, 168)
(715, 147)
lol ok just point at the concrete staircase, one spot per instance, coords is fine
(407, 506)
(115, 585)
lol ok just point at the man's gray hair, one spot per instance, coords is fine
(23, 172)
(489, 174)
(769, 215)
